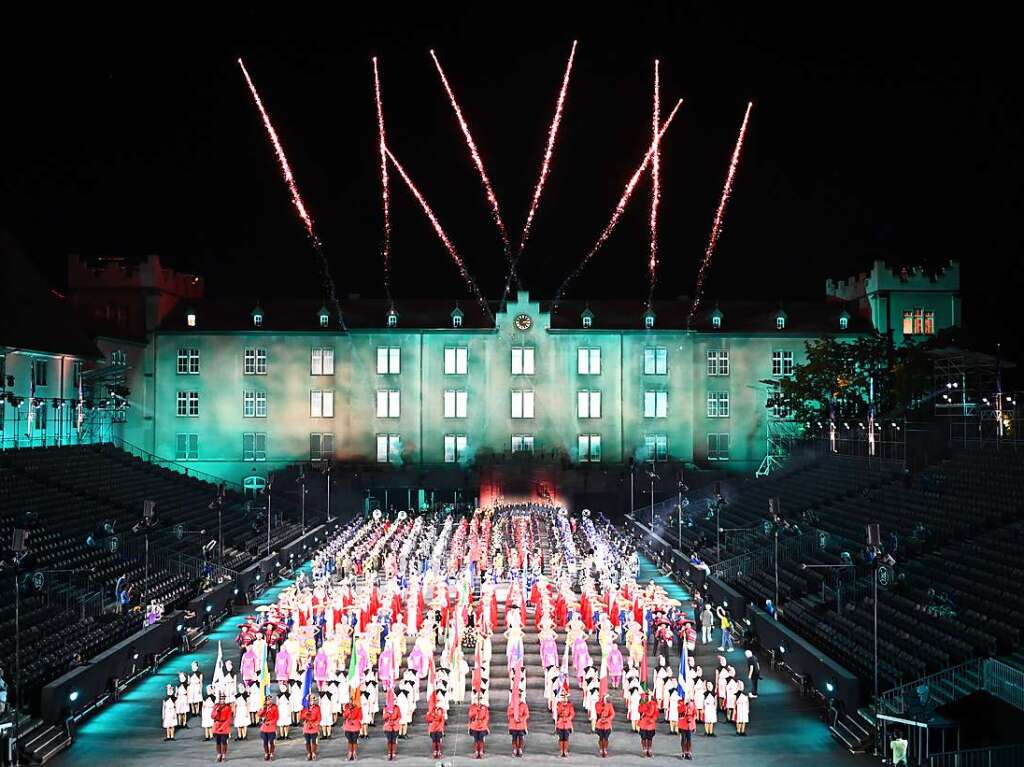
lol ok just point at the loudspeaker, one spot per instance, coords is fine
(874, 535)
(19, 543)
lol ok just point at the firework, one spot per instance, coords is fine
(459, 263)
(716, 226)
(545, 165)
(386, 245)
(623, 201)
(655, 185)
(477, 161)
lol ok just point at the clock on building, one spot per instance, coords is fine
(523, 321)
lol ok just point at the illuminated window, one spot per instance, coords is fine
(456, 360)
(186, 447)
(454, 447)
(39, 372)
(718, 362)
(392, 319)
(588, 362)
(656, 446)
(588, 404)
(190, 319)
(718, 447)
(254, 404)
(188, 362)
(844, 323)
(522, 360)
(188, 404)
(522, 443)
(782, 363)
(321, 362)
(454, 403)
(929, 323)
(389, 403)
(389, 360)
(457, 322)
(655, 404)
(522, 403)
(780, 322)
(321, 446)
(778, 406)
(589, 448)
(321, 404)
(255, 362)
(254, 446)
(918, 322)
(389, 448)
(718, 404)
(324, 319)
(716, 321)
(649, 320)
(655, 361)
(257, 319)
(588, 321)
(253, 485)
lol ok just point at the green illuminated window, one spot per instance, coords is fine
(718, 404)
(389, 360)
(522, 443)
(455, 403)
(255, 363)
(656, 446)
(522, 403)
(718, 362)
(588, 361)
(655, 404)
(454, 447)
(254, 446)
(588, 447)
(522, 361)
(588, 404)
(456, 360)
(39, 372)
(186, 447)
(254, 404)
(188, 362)
(655, 361)
(718, 447)
(389, 448)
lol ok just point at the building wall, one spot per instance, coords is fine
(49, 425)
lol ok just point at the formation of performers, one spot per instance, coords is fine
(392, 612)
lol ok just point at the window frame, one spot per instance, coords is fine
(527, 404)
(586, 399)
(718, 404)
(392, 447)
(458, 447)
(252, 452)
(321, 403)
(458, 354)
(321, 361)
(389, 360)
(191, 451)
(526, 443)
(458, 399)
(187, 404)
(585, 448)
(655, 403)
(657, 356)
(526, 361)
(586, 357)
(783, 363)
(186, 358)
(718, 362)
(659, 451)
(254, 362)
(388, 403)
(718, 453)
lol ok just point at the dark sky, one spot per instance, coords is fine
(876, 133)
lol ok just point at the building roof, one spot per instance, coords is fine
(807, 317)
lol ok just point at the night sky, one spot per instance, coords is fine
(879, 134)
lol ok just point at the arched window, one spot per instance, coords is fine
(254, 485)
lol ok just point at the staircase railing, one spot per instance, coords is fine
(167, 463)
(1000, 756)
(763, 559)
(978, 675)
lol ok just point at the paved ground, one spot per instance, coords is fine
(785, 729)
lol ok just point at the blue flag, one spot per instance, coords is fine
(681, 677)
(307, 685)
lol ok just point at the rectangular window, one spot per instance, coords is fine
(522, 403)
(254, 446)
(456, 360)
(588, 362)
(40, 419)
(454, 403)
(589, 447)
(782, 363)
(718, 362)
(389, 448)
(777, 406)
(588, 404)
(321, 404)
(929, 323)
(321, 362)
(39, 372)
(454, 447)
(718, 447)
(254, 404)
(188, 362)
(321, 446)
(522, 360)
(255, 362)
(655, 404)
(188, 404)
(389, 403)
(657, 446)
(522, 443)
(908, 323)
(389, 360)
(718, 404)
(655, 361)
(186, 447)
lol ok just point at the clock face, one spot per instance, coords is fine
(523, 321)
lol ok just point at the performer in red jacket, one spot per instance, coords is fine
(518, 723)
(222, 726)
(687, 725)
(605, 714)
(392, 721)
(268, 727)
(353, 714)
(648, 722)
(310, 717)
(435, 724)
(479, 724)
(564, 716)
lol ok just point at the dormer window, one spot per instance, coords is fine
(844, 321)
(716, 321)
(780, 320)
(587, 318)
(648, 319)
(190, 319)
(588, 322)
(324, 317)
(457, 317)
(257, 320)
(392, 318)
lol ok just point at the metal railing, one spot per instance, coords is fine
(177, 466)
(981, 674)
(763, 559)
(1000, 756)
(1005, 682)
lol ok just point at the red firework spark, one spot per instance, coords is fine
(623, 201)
(477, 160)
(716, 226)
(655, 184)
(459, 263)
(282, 159)
(386, 246)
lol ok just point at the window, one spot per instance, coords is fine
(718, 447)
(918, 322)
(782, 363)
(188, 362)
(657, 446)
(589, 446)
(389, 403)
(454, 446)
(778, 407)
(255, 362)
(718, 362)
(454, 403)
(456, 320)
(456, 360)
(321, 446)
(648, 321)
(253, 486)
(588, 362)
(186, 447)
(389, 360)
(254, 404)
(844, 323)
(780, 322)
(321, 404)
(522, 360)
(655, 404)
(188, 404)
(392, 320)
(929, 323)
(323, 320)
(321, 362)
(716, 321)
(39, 372)
(76, 373)
(190, 319)
(389, 448)
(718, 404)
(254, 446)
(522, 443)
(522, 403)
(588, 321)
(588, 404)
(655, 361)
(40, 416)
(257, 320)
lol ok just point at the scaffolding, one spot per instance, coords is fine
(781, 431)
(970, 395)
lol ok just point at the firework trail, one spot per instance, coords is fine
(716, 226)
(621, 207)
(477, 161)
(459, 263)
(545, 167)
(293, 187)
(655, 185)
(386, 246)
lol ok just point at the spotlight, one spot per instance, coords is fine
(135, 656)
(236, 592)
(179, 627)
(782, 649)
(209, 608)
(830, 688)
(73, 696)
(258, 576)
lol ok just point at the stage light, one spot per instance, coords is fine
(209, 608)
(135, 656)
(258, 576)
(829, 688)
(73, 696)
(782, 649)
(179, 627)
(236, 592)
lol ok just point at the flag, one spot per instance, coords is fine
(515, 686)
(477, 671)
(307, 685)
(681, 678)
(603, 689)
(353, 669)
(218, 667)
(264, 677)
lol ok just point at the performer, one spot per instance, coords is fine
(310, 716)
(206, 713)
(168, 714)
(435, 724)
(479, 724)
(648, 722)
(353, 714)
(195, 689)
(518, 723)
(268, 727)
(222, 726)
(710, 709)
(687, 726)
(564, 716)
(284, 713)
(241, 714)
(742, 710)
(392, 723)
(603, 723)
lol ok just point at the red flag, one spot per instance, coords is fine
(603, 690)
(391, 697)
(477, 671)
(515, 686)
